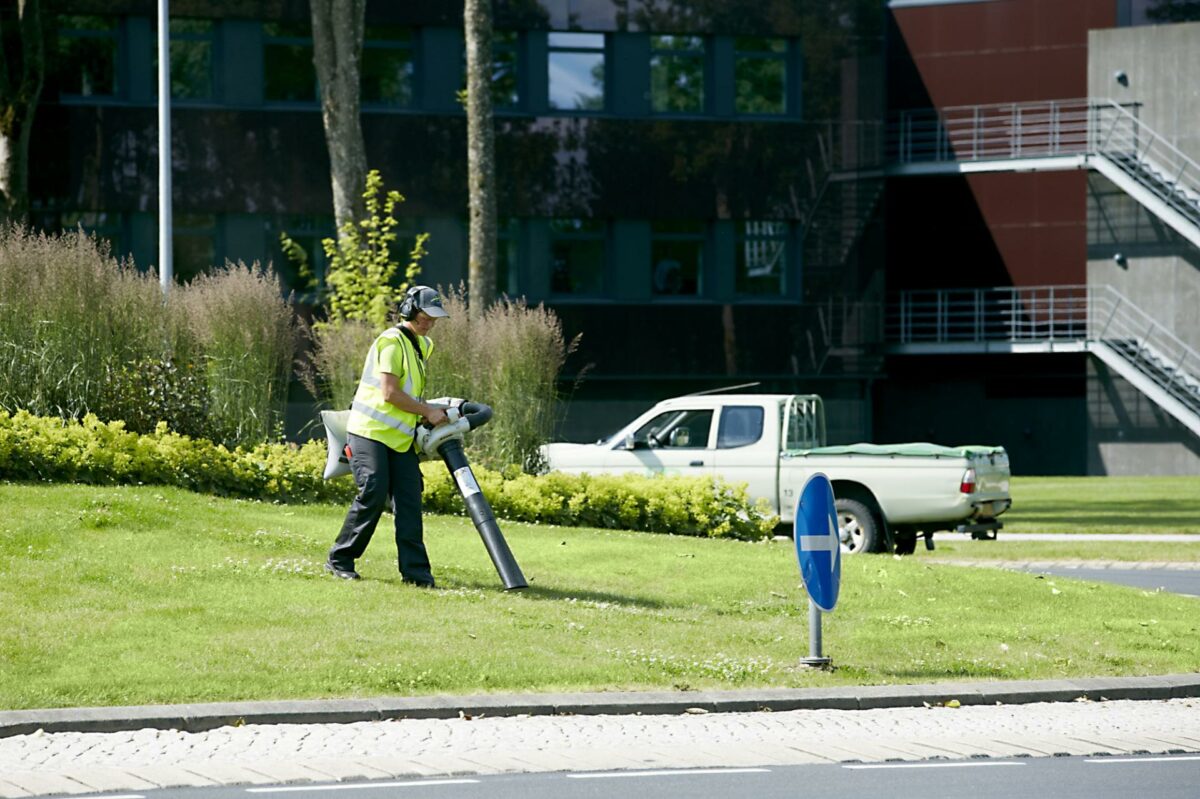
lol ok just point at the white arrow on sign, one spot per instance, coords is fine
(822, 543)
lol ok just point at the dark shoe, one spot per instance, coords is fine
(419, 583)
(341, 573)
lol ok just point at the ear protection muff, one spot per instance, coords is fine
(408, 308)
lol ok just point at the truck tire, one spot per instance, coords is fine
(858, 527)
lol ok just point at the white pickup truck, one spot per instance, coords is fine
(886, 496)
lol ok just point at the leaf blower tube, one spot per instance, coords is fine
(446, 442)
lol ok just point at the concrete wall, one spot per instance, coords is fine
(1128, 434)
(1158, 269)
(1161, 64)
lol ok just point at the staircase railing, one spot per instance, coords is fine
(1088, 315)
(1149, 158)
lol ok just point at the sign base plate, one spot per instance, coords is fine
(817, 662)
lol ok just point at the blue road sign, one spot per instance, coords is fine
(818, 548)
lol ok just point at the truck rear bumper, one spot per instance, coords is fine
(981, 529)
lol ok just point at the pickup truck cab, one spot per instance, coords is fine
(886, 496)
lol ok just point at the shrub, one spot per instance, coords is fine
(510, 359)
(91, 451)
(361, 292)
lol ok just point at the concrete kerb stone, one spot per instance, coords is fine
(201, 717)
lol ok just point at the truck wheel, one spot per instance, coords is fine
(857, 527)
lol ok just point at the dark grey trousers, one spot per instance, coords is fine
(380, 472)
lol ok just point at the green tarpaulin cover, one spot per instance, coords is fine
(919, 450)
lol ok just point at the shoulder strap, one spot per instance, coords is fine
(412, 337)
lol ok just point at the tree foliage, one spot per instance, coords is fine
(362, 271)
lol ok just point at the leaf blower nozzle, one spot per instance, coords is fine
(446, 442)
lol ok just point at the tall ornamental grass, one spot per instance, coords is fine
(510, 359)
(248, 336)
(70, 316)
(83, 333)
(333, 365)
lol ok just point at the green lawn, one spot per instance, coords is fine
(1104, 505)
(138, 595)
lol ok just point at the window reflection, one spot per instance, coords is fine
(677, 257)
(288, 71)
(760, 75)
(677, 74)
(194, 245)
(507, 256)
(761, 257)
(191, 59)
(387, 66)
(576, 71)
(576, 256)
(504, 69)
(87, 56)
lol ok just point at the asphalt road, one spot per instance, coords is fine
(1162, 777)
(1173, 580)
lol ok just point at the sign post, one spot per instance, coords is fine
(819, 553)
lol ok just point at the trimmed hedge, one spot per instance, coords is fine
(90, 451)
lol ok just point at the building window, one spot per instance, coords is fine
(191, 59)
(576, 256)
(677, 74)
(761, 257)
(576, 71)
(760, 75)
(677, 258)
(388, 67)
(87, 56)
(288, 72)
(507, 255)
(505, 58)
(106, 227)
(505, 91)
(193, 245)
(304, 271)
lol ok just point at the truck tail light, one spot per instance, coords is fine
(967, 486)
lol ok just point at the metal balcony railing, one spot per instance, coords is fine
(1098, 134)
(1099, 318)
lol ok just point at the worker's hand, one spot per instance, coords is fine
(435, 415)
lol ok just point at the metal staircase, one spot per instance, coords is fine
(1096, 319)
(1053, 135)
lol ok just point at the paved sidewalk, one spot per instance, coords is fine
(147, 748)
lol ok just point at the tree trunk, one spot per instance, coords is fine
(481, 157)
(337, 28)
(19, 95)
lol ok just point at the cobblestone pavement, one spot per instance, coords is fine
(75, 763)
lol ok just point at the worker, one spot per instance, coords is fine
(387, 408)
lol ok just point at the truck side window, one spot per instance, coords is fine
(741, 425)
(676, 429)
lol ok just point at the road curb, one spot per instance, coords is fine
(201, 717)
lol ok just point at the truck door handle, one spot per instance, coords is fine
(696, 463)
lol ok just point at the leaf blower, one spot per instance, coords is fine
(446, 442)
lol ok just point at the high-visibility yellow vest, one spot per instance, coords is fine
(370, 415)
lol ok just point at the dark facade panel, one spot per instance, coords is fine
(1009, 51)
(257, 161)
